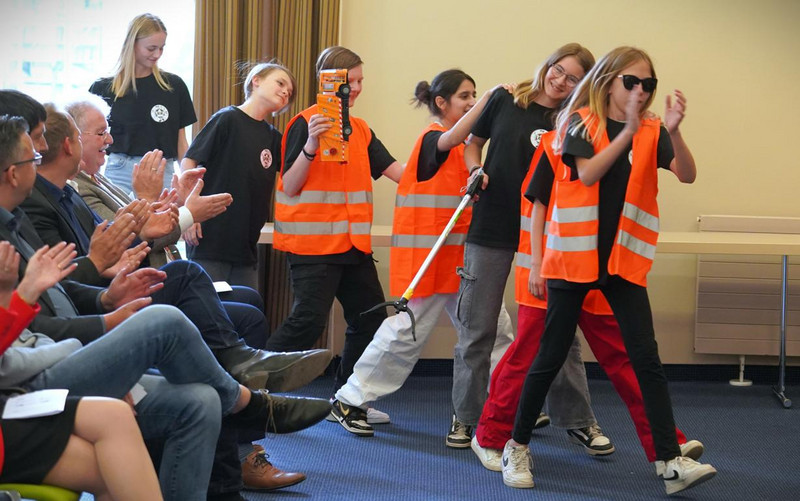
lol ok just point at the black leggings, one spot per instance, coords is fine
(631, 308)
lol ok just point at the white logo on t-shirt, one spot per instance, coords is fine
(536, 137)
(630, 157)
(266, 158)
(159, 113)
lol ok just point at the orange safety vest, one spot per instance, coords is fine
(333, 211)
(421, 213)
(571, 252)
(594, 302)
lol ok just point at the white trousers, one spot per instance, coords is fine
(389, 359)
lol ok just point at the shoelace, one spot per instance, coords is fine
(271, 415)
(460, 428)
(261, 461)
(518, 457)
(593, 431)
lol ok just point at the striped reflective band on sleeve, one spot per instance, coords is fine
(640, 217)
(428, 201)
(426, 241)
(636, 245)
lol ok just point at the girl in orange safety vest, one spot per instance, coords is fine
(596, 322)
(428, 193)
(602, 231)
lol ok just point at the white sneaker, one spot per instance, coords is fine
(592, 439)
(692, 449)
(683, 473)
(374, 416)
(517, 466)
(491, 459)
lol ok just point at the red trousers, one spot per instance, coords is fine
(602, 334)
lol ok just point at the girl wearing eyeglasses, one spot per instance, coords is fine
(514, 123)
(602, 235)
(150, 108)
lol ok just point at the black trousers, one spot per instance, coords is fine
(631, 307)
(357, 288)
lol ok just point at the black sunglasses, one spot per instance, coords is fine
(631, 81)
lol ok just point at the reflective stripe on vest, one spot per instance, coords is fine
(332, 213)
(324, 197)
(421, 213)
(595, 302)
(428, 201)
(572, 242)
(427, 241)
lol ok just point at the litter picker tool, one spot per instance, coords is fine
(401, 305)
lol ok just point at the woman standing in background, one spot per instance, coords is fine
(150, 108)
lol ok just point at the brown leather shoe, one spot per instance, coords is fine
(261, 475)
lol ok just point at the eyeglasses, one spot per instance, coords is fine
(631, 81)
(105, 133)
(37, 160)
(559, 72)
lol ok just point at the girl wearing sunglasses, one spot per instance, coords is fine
(602, 235)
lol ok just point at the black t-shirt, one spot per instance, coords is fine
(541, 183)
(379, 160)
(613, 184)
(241, 156)
(430, 157)
(149, 118)
(514, 134)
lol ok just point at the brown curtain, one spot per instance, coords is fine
(302, 29)
(229, 31)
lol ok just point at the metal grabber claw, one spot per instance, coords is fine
(401, 305)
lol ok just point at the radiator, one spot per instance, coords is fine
(738, 297)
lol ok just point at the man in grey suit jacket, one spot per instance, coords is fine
(105, 198)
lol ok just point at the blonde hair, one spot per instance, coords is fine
(593, 92)
(261, 70)
(141, 26)
(527, 91)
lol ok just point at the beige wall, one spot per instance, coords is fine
(738, 62)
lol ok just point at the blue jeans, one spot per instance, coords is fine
(189, 288)
(184, 407)
(239, 274)
(119, 170)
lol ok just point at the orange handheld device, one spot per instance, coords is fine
(333, 102)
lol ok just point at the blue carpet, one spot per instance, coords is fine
(749, 438)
